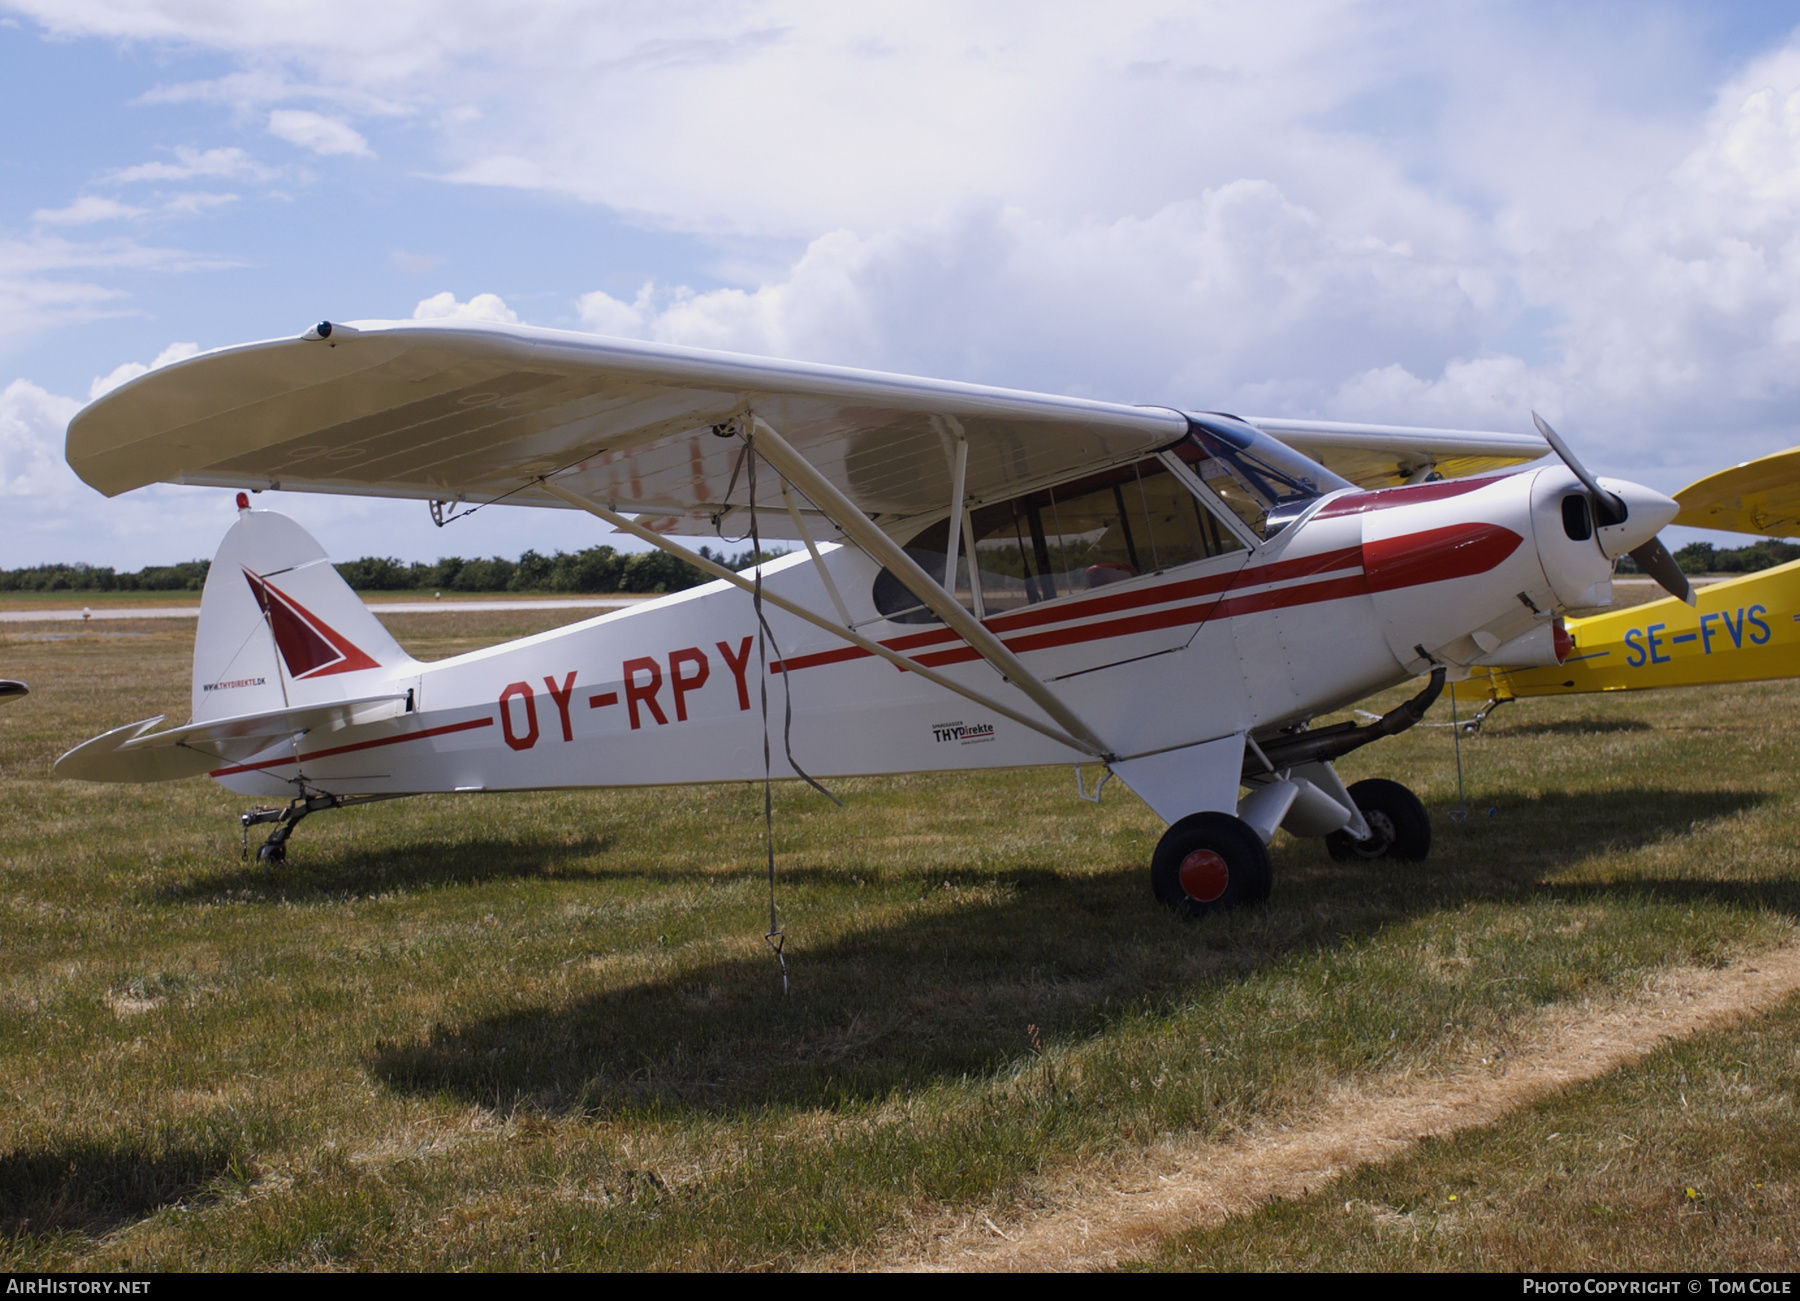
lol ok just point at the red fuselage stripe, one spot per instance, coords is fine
(1459, 551)
(360, 745)
(1211, 585)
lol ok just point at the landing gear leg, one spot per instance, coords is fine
(274, 849)
(1398, 823)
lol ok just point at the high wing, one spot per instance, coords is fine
(1760, 496)
(1384, 456)
(473, 413)
(458, 412)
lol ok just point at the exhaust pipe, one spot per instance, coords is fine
(1328, 743)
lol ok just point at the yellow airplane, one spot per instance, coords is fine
(1740, 630)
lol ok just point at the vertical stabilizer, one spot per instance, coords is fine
(279, 628)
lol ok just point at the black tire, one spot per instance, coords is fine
(275, 853)
(1234, 870)
(1402, 827)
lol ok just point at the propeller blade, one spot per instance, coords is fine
(1608, 509)
(1654, 559)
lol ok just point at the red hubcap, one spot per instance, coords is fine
(1204, 876)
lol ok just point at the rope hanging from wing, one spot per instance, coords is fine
(765, 637)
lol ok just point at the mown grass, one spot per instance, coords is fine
(1690, 1159)
(544, 1030)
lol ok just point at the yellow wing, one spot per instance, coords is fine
(1760, 496)
(1382, 456)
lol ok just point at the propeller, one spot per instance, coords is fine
(1652, 557)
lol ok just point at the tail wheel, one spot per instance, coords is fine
(1401, 827)
(1208, 862)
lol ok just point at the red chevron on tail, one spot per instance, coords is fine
(310, 646)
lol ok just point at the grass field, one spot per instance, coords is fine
(543, 1031)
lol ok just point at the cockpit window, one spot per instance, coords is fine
(1265, 482)
(1106, 528)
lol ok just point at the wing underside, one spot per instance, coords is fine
(477, 414)
(455, 412)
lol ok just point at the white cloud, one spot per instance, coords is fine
(195, 202)
(255, 88)
(481, 307)
(87, 209)
(1238, 292)
(1673, 328)
(315, 131)
(1679, 341)
(47, 282)
(603, 314)
(1412, 212)
(90, 208)
(130, 370)
(792, 117)
(32, 424)
(189, 163)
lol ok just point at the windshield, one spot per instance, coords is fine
(1264, 481)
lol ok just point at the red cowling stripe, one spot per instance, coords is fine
(1436, 555)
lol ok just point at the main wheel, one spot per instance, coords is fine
(1208, 862)
(1401, 827)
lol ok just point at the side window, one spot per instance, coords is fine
(931, 550)
(1136, 519)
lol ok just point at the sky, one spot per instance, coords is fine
(1405, 213)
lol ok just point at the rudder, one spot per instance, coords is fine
(279, 627)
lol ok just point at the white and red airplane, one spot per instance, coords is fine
(986, 579)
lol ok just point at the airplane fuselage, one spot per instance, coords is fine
(1363, 591)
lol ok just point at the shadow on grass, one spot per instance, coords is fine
(91, 1188)
(321, 874)
(948, 991)
(1566, 727)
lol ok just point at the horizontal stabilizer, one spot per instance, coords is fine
(134, 753)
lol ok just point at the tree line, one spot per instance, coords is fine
(601, 569)
(598, 569)
(1705, 558)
